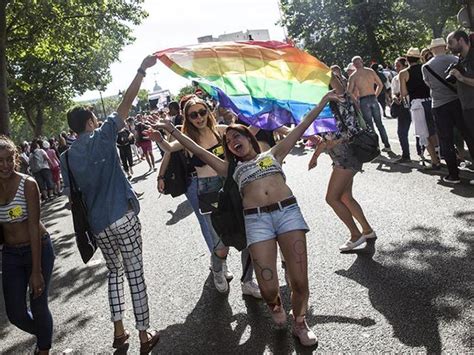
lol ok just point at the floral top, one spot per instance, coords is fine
(346, 120)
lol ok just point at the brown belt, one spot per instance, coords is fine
(270, 208)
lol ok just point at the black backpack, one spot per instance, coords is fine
(176, 175)
(228, 218)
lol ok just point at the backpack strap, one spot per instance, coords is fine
(441, 80)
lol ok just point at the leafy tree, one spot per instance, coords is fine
(435, 13)
(336, 30)
(186, 90)
(55, 50)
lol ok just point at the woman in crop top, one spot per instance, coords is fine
(27, 256)
(200, 126)
(271, 212)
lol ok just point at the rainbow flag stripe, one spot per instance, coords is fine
(266, 83)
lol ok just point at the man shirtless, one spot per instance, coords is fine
(366, 83)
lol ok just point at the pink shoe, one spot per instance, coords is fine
(304, 333)
(278, 314)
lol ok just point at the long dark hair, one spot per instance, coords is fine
(243, 131)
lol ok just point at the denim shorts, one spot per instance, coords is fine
(264, 226)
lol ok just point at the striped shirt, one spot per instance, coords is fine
(17, 209)
(263, 165)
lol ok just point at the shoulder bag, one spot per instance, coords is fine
(176, 175)
(85, 239)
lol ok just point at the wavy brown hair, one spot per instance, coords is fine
(188, 128)
(243, 131)
(7, 144)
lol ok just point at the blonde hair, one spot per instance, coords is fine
(188, 128)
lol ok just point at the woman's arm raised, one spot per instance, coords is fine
(281, 150)
(219, 165)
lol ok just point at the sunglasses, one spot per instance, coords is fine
(193, 115)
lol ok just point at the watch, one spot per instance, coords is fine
(141, 71)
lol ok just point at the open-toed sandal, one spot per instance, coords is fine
(121, 340)
(147, 346)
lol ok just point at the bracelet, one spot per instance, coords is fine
(141, 71)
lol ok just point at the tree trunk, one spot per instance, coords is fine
(4, 107)
(39, 122)
(375, 51)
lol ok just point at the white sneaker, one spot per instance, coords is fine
(220, 281)
(250, 288)
(348, 245)
(228, 274)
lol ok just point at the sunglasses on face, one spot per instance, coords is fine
(193, 115)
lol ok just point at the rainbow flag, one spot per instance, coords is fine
(266, 83)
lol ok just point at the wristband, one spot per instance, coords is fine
(141, 71)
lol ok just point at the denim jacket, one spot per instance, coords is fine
(96, 168)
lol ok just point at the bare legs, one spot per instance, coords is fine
(339, 197)
(264, 258)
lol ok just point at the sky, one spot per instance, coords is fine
(173, 23)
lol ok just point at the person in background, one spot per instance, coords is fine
(54, 166)
(40, 168)
(124, 142)
(27, 255)
(24, 158)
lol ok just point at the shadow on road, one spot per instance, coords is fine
(183, 210)
(408, 289)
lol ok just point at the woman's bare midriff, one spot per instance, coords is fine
(205, 171)
(18, 233)
(266, 191)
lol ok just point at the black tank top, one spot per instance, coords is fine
(217, 150)
(416, 86)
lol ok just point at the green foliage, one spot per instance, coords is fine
(377, 30)
(59, 49)
(186, 90)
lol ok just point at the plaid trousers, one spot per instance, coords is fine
(121, 245)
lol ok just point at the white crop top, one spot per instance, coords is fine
(263, 165)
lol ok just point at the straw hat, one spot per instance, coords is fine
(413, 52)
(437, 42)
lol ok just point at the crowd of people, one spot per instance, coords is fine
(217, 146)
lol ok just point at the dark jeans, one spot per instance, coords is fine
(126, 157)
(468, 130)
(447, 117)
(16, 272)
(371, 112)
(44, 178)
(404, 122)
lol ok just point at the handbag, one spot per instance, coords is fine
(395, 109)
(365, 145)
(364, 142)
(176, 175)
(85, 239)
(208, 201)
(228, 218)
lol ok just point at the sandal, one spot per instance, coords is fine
(121, 340)
(147, 346)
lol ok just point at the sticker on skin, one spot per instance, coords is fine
(217, 151)
(265, 163)
(15, 212)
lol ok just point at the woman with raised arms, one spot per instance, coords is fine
(272, 215)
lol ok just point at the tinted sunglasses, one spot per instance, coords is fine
(193, 115)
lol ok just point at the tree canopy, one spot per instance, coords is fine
(56, 50)
(377, 30)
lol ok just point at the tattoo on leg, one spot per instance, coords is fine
(265, 272)
(299, 248)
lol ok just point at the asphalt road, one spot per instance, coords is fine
(414, 295)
